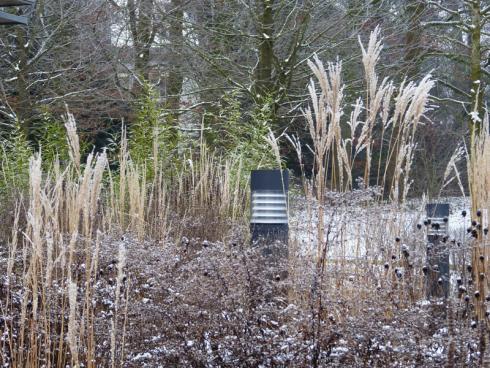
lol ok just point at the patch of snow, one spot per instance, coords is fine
(142, 356)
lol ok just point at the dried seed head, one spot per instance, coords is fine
(463, 213)
(419, 226)
(478, 213)
(405, 250)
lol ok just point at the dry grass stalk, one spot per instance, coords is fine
(73, 141)
(72, 335)
(121, 262)
(479, 183)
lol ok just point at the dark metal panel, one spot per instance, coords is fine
(16, 2)
(6, 18)
(269, 180)
(437, 210)
(438, 275)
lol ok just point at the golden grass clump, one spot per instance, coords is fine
(335, 156)
(53, 263)
(398, 116)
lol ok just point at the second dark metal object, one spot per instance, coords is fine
(269, 206)
(437, 281)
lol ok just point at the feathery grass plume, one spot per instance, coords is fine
(272, 141)
(73, 141)
(370, 58)
(411, 103)
(374, 95)
(385, 123)
(458, 155)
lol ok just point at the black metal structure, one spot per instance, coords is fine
(12, 19)
(269, 206)
(437, 250)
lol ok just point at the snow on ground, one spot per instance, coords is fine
(357, 230)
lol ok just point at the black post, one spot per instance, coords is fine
(269, 206)
(437, 282)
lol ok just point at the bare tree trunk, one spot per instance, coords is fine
(414, 43)
(476, 89)
(143, 34)
(175, 76)
(263, 75)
